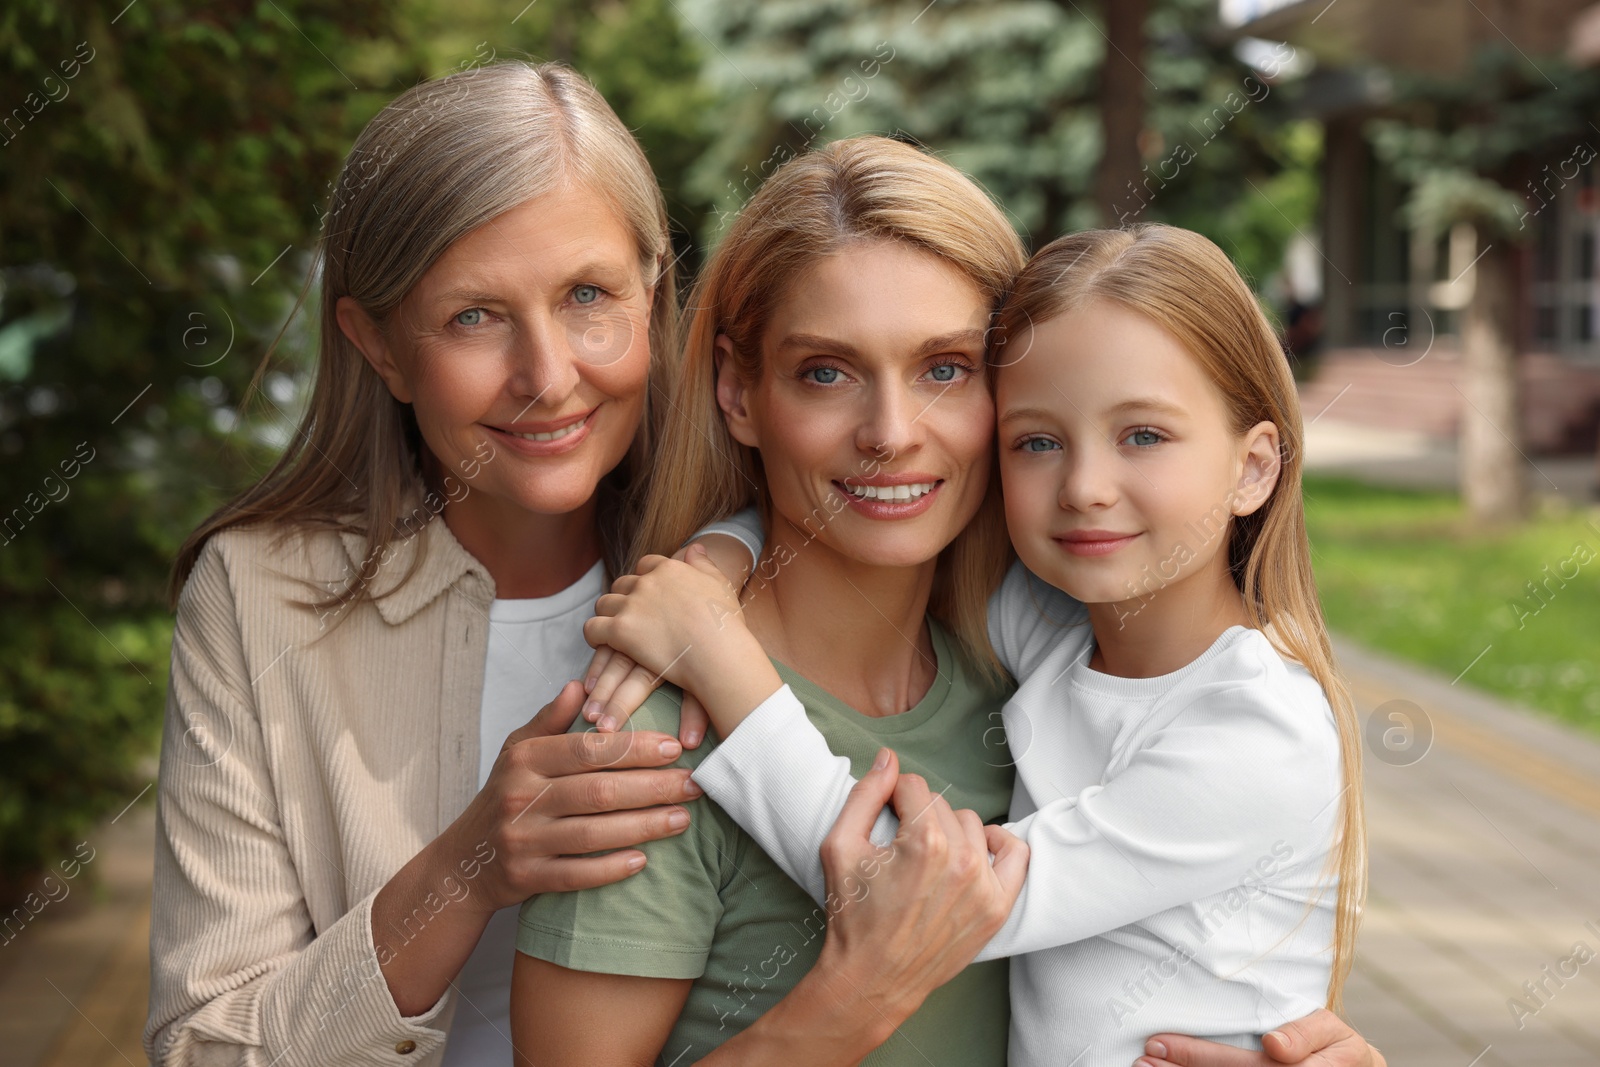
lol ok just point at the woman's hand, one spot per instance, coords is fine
(1321, 1039)
(551, 797)
(904, 920)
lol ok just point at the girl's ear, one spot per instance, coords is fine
(361, 331)
(1259, 466)
(731, 394)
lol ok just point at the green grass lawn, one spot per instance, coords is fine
(1405, 573)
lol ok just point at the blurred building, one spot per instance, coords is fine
(1389, 294)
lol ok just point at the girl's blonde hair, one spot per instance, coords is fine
(861, 189)
(1188, 286)
(439, 161)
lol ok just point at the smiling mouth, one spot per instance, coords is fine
(552, 435)
(890, 493)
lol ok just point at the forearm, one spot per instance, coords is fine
(779, 780)
(425, 923)
(732, 676)
(822, 1022)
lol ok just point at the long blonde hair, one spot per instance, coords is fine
(436, 163)
(1188, 286)
(861, 189)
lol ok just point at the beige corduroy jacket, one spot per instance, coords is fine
(304, 761)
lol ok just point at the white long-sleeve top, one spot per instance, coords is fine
(1179, 826)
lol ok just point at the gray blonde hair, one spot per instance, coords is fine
(436, 163)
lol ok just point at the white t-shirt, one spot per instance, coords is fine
(536, 646)
(1178, 828)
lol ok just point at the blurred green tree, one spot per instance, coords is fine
(160, 166)
(1011, 91)
(163, 172)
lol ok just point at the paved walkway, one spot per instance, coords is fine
(1485, 876)
(1407, 459)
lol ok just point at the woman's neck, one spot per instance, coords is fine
(1170, 627)
(526, 553)
(856, 630)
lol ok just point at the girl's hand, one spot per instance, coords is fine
(617, 688)
(904, 920)
(615, 679)
(679, 621)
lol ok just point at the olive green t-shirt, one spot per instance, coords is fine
(712, 906)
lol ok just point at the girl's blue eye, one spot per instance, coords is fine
(1143, 438)
(470, 317)
(586, 294)
(1038, 444)
(945, 372)
(824, 375)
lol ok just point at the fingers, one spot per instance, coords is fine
(693, 722)
(557, 757)
(650, 563)
(1176, 1050)
(972, 830)
(913, 800)
(616, 669)
(700, 560)
(1010, 859)
(867, 798)
(607, 791)
(564, 874)
(625, 700)
(580, 834)
(597, 663)
(552, 719)
(1321, 1030)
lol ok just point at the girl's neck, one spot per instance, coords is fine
(856, 630)
(528, 554)
(1168, 628)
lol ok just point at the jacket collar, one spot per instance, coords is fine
(399, 593)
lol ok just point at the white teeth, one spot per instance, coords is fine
(891, 492)
(554, 435)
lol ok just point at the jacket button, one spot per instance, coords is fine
(403, 1047)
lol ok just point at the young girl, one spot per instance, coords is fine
(1187, 759)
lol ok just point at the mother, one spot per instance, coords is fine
(841, 330)
(341, 809)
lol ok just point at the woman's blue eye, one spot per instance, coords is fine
(1143, 438)
(945, 372)
(586, 294)
(470, 317)
(824, 375)
(1038, 444)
